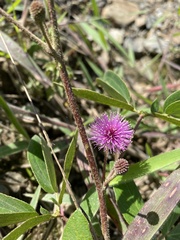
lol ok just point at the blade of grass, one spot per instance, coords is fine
(13, 119)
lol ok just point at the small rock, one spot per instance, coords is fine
(153, 44)
(136, 44)
(150, 21)
(141, 21)
(121, 12)
(117, 34)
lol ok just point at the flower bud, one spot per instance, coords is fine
(37, 11)
(121, 166)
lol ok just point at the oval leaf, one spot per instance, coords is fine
(171, 98)
(77, 227)
(100, 98)
(13, 210)
(173, 109)
(110, 90)
(30, 223)
(128, 205)
(90, 203)
(36, 160)
(117, 84)
(155, 106)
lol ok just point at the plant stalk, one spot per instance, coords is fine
(76, 114)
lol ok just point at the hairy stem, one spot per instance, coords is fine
(79, 123)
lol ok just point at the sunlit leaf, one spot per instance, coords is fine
(171, 99)
(30, 223)
(13, 210)
(173, 109)
(114, 86)
(100, 98)
(38, 165)
(128, 199)
(155, 106)
(90, 203)
(77, 227)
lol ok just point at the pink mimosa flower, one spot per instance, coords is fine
(111, 133)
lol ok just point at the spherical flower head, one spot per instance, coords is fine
(111, 133)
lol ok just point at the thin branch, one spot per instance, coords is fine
(25, 30)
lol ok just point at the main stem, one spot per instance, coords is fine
(90, 157)
(76, 114)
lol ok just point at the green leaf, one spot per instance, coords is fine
(13, 210)
(35, 198)
(13, 6)
(13, 148)
(170, 221)
(96, 35)
(90, 203)
(30, 223)
(114, 215)
(156, 210)
(68, 163)
(171, 99)
(129, 200)
(155, 106)
(173, 109)
(174, 234)
(100, 98)
(77, 227)
(86, 73)
(148, 166)
(95, 68)
(95, 8)
(111, 39)
(12, 118)
(131, 56)
(49, 164)
(36, 160)
(114, 86)
(110, 90)
(168, 118)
